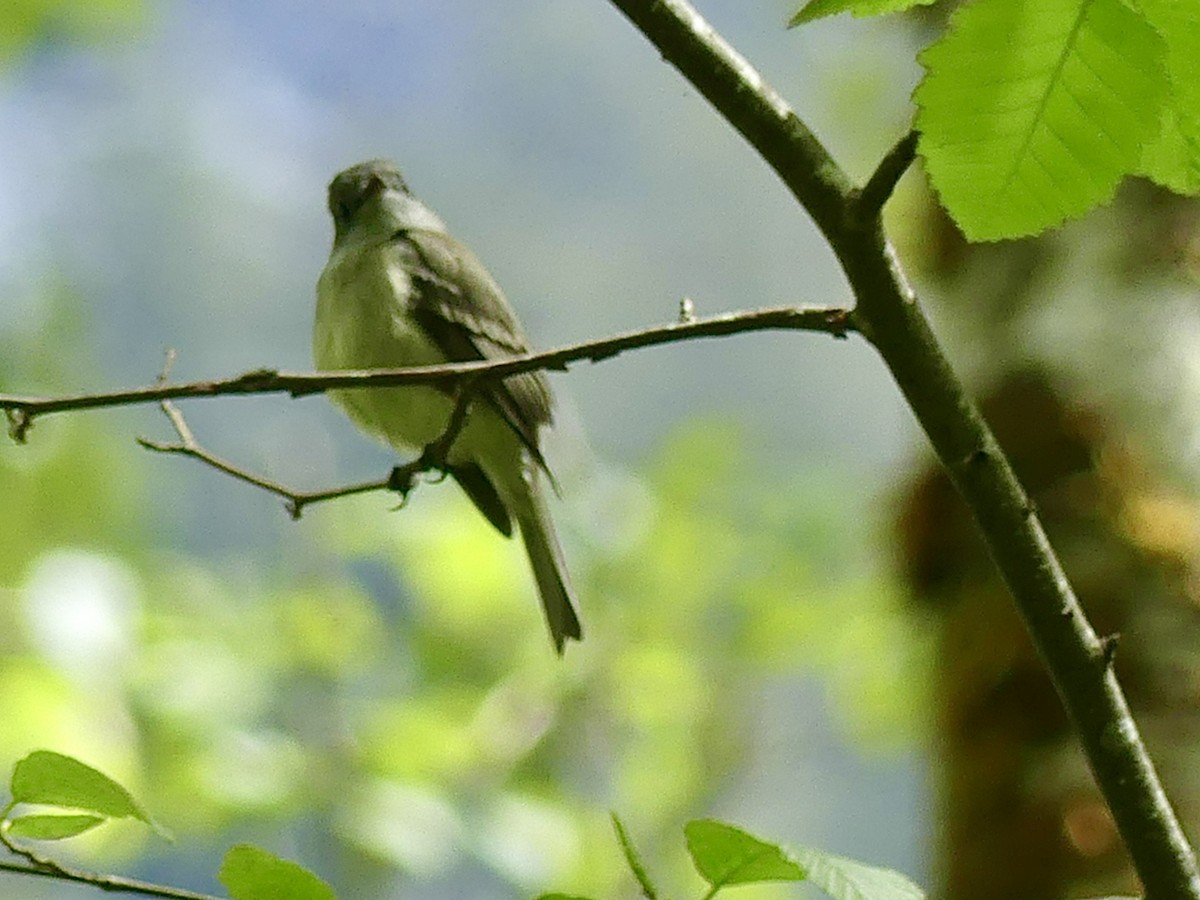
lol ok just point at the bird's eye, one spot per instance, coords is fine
(343, 206)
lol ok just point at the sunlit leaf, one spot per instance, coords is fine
(52, 779)
(727, 855)
(52, 828)
(1173, 160)
(1031, 113)
(846, 879)
(250, 873)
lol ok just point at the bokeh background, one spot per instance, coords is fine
(372, 692)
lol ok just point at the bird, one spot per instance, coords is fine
(399, 290)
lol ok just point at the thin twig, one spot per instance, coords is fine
(42, 867)
(295, 501)
(878, 189)
(22, 410)
(402, 479)
(112, 883)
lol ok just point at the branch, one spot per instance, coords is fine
(295, 500)
(22, 410)
(402, 479)
(887, 313)
(189, 446)
(878, 190)
(46, 868)
(110, 883)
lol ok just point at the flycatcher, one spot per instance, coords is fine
(398, 290)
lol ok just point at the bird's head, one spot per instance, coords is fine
(373, 197)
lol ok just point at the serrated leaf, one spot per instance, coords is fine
(726, 855)
(52, 828)
(53, 779)
(1031, 113)
(1173, 159)
(250, 873)
(846, 879)
(819, 9)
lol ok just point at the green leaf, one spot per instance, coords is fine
(249, 873)
(845, 879)
(562, 897)
(1173, 159)
(727, 855)
(1031, 113)
(819, 9)
(52, 779)
(52, 828)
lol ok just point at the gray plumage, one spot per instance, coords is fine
(398, 290)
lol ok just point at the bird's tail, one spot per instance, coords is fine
(549, 570)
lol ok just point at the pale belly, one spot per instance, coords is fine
(360, 324)
(407, 418)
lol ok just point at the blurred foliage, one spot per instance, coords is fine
(75, 798)
(25, 23)
(391, 700)
(383, 695)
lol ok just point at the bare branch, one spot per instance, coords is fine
(402, 479)
(882, 183)
(295, 501)
(108, 883)
(22, 410)
(42, 867)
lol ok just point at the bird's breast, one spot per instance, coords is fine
(364, 321)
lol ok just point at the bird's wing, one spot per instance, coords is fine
(463, 311)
